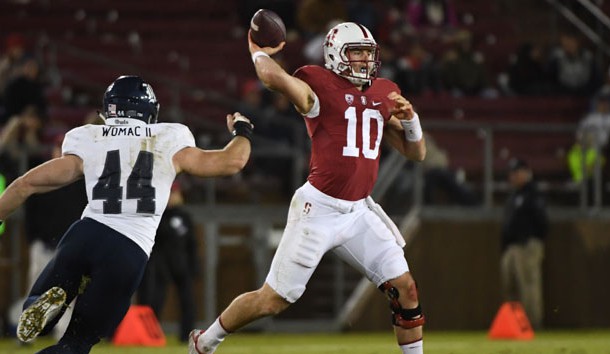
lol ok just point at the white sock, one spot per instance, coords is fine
(413, 348)
(213, 335)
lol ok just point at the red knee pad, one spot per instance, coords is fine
(404, 318)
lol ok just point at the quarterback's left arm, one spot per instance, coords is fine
(403, 130)
(44, 178)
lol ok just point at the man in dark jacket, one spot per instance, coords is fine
(173, 260)
(25, 92)
(523, 232)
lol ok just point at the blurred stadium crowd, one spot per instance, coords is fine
(474, 62)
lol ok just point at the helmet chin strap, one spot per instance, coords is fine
(101, 115)
(358, 81)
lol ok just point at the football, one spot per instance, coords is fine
(267, 28)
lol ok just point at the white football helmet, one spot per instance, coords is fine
(345, 36)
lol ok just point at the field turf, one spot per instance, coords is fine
(546, 342)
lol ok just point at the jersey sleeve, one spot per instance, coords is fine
(74, 141)
(311, 74)
(180, 137)
(393, 86)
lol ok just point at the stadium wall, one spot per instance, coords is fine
(456, 265)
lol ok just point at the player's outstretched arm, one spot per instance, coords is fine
(44, 178)
(275, 78)
(225, 162)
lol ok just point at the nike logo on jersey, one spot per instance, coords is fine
(376, 103)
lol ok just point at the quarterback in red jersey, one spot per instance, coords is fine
(348, 111)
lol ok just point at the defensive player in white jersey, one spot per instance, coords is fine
(347, 111)
(128, 164)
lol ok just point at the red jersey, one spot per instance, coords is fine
(346, 134)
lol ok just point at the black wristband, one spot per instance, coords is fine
(242, 128)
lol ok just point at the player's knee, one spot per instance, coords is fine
(407, 288)
(274, 306)
(270, 302)
(412, 292)
(409, 316)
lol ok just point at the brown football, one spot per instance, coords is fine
(267, 28)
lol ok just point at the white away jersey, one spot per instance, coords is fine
(128, 173)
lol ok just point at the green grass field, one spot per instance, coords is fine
(551, 342)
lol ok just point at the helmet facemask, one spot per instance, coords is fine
(368, 71)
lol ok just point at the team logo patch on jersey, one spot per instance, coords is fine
(363, 100)
(349, 98)
(306, 208)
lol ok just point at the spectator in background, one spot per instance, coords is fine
(591, 144)
(284, 129)
(20, 141)
(315, 18)
(528, 74)
(574, 70)
(173, 260)
(442, 184)
(15, 51)
(524, 230)
(597, 121)
(275, 129)
(605, 88)
(389, 70)
(281, 124)
(312, 49)
(363, 12)
(418, 70)
(432, 18)
(582, 158)
(23, 122)
(251, 98)
(393, 24)
(25, 91)
(463, 71)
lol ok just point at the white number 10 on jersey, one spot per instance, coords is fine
(350, 149)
